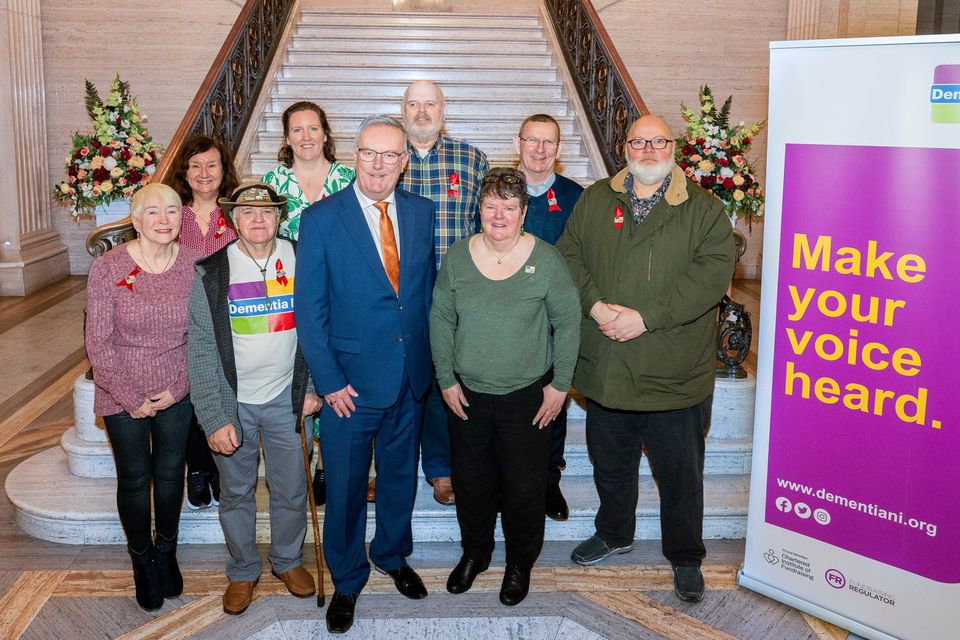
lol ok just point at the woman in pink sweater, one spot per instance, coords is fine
(136, 336)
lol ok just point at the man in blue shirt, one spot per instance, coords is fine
(552, 197)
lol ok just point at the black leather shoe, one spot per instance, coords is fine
(688, 583)
(407, 581)
(463, 575)
(516, 584)
(556, 504)
(340, 612)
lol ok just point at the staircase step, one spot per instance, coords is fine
(427, 60)
(313, 40)
(393, 90)
(414, 20)
(51, 504)
(504, 126)
(573, 168)
(475, 107)
(314, 66)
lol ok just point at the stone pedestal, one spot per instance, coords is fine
(31, 254)
(734, 402)
(86, 444)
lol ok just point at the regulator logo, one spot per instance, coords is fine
(835, 579)
(945, 94)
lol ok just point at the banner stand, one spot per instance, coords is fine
(800, 604)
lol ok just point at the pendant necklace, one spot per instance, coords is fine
(500, 258)
(149, 268)
(263, 269)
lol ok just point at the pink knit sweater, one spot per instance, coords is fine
(136, 333)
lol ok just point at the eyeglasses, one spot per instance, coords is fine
(533, 143)
(508, 178)
(388, 157)
(639, 144)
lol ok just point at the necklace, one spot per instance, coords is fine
(501, 257)
(150, 268)
(266, 261)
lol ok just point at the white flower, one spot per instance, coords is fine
(125, 124)
(726, 172)
(109, 163)
(150, 169)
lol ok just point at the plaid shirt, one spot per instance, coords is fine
(450, 175)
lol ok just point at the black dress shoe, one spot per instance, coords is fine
(556, 504)
(516, 584)
(319, 488)
(463, 575)
(407, 581)
(340, 612)
(688, 583)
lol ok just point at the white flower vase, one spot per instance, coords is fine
(116, 210)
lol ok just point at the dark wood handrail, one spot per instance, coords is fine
(605, 87)
(222, 106)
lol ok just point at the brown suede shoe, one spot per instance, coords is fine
(298, 581)
(443, 491)
(238, 597)
(372, 490)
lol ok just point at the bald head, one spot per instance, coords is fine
(423, 113)
(649, 127)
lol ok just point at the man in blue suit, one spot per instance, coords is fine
(364, 280)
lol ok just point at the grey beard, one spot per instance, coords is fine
(650, 176)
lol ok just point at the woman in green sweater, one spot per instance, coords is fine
(505, 330)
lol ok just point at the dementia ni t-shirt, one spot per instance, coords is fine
(260, 306)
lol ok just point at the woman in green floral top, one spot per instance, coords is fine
(308, 172)
(308, 169)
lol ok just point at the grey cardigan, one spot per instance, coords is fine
(210, 357)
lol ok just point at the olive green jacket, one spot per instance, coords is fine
(673, 268)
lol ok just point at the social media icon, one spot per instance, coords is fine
(802, 510)
(784, 504)
(822, 516)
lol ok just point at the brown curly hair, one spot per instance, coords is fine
(200, 144)
(286, 152)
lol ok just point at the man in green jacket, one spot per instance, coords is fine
(652, 255)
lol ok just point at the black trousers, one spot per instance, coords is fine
(674, 443)
(146, 449)
(199, 457)
(500, 458)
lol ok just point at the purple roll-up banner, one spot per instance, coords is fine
(854, 507)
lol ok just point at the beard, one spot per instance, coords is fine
(648, 174)
(429, 129)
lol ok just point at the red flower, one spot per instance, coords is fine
(707, 181)
(746, 141)
(106, 151)
(687, 150)
(147, 159)
(101, 174)
(683, 164)
(125, 154)
(728, 183)
(94, 143)
(722, 162)
(134, 176)
(700, 141)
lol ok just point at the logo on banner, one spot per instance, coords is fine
(835, 579)
(945, 94)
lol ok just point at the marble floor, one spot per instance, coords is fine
(50, 590)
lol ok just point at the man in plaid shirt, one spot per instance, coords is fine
(449, 172)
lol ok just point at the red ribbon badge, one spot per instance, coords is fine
(454, 190)
(617, 217)
(552, 201)
(281, 274)
(221, 226)
(128, 281)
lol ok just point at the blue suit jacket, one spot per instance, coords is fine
(352, 327)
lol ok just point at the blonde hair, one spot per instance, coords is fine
(139, 199)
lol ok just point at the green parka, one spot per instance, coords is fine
(674, 269)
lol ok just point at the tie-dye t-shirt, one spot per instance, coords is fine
(261, 319)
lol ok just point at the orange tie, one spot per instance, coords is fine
(388, 242)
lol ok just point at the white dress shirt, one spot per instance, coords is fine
(372, 216)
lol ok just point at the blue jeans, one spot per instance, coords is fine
(674, 442)
(148, 449)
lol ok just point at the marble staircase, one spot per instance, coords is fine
(494, 71)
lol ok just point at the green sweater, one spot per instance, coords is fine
(496, 334)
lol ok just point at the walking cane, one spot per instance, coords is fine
(313, 509)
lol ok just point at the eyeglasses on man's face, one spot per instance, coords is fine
(639, 144)
(388, 157)
(533, 143)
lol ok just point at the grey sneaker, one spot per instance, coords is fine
(594, 550)
(688, 583)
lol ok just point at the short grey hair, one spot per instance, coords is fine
(382, 120)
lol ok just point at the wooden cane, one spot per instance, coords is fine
(313, 510)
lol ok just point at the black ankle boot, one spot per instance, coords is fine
(145, 578)
(168, 572)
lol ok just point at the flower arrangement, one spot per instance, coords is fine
(713, 154)
(113, 161)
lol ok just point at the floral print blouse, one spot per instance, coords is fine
(284, 182)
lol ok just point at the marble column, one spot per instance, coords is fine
(31, 254)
